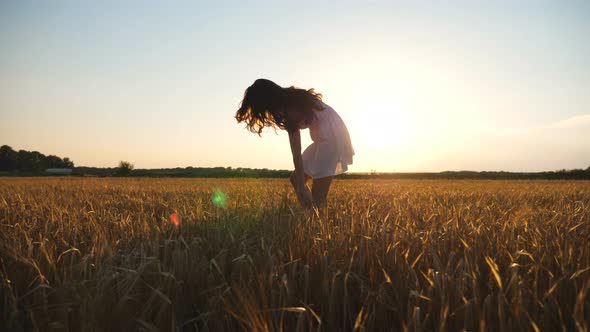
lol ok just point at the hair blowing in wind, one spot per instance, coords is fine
(266, 104)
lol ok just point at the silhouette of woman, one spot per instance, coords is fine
(266, 104)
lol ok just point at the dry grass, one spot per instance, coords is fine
(101, 254)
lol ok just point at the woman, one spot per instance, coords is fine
(266, 104)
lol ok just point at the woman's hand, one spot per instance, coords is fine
(305, 196)
(302, 190)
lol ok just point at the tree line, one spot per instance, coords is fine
(35, 163)
(180, 172)
(229, 172)
(32, 162)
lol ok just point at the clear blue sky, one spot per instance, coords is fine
(421, 85)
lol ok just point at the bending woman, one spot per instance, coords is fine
(266, 104)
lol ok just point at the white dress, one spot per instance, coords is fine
(331, 151)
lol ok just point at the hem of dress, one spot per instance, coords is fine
(343, 170)
(325, 176)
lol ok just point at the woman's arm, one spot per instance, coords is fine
(302, 190)
(295, 141)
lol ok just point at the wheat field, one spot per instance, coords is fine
(116, 254)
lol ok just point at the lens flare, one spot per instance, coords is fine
(175, 219)
(219, 199)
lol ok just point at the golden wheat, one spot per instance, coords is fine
(104, 254)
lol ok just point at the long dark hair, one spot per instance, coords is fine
(266, 104)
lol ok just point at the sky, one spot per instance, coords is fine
(421, 85)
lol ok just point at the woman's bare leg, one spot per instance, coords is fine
(320, 189)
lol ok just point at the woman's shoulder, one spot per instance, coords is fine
(326, 109)
(322, 106)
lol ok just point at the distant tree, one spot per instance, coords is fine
(124, 168)
(29, 161)
(8, 159)
(67, 163)
(53, 161)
